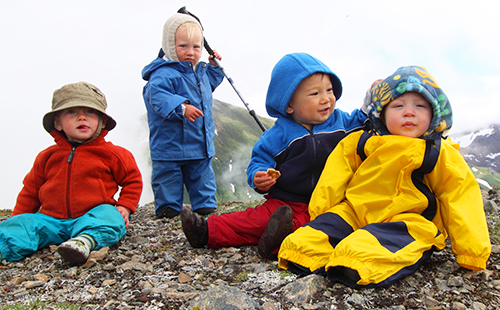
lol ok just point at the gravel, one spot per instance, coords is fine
(154, 267)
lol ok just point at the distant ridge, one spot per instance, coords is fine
(481, 151)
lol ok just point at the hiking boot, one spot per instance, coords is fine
(76, 250)
(167, 212)
(204, 211)
(279, 226)
(195, 228)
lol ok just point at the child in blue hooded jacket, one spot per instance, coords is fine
(178, 98)
(301, 96)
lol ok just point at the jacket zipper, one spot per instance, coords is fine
(314, 159)
(69, 160)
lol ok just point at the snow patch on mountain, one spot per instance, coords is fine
(493, 156)
(466, 139)
(485, 183)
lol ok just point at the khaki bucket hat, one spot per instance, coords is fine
(79, 94)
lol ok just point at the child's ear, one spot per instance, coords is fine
(57, 123)
(289, 109)
(104, 120)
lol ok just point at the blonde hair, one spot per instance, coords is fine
(190, 28)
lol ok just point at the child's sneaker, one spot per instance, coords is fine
(76, 250)
(195, 228)
(279, 226)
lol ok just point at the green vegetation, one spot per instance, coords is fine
(488, 175)
(285, 273)
(5, 212)
(241, 277)
(37, 304)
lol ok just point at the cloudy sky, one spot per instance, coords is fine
(47, 44)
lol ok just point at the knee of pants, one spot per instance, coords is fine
(104, 223)
(24, 234)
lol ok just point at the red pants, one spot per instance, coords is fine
(246, 227)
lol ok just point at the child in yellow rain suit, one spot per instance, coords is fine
(388, 198)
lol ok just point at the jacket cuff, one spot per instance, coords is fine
(472, 263)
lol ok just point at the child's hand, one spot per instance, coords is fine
(192, 112)
(262, 181)
(211, 58)
(125, 213)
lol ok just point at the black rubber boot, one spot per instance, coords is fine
(195, 228)
(279, 226)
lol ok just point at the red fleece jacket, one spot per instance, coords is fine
(67, 186)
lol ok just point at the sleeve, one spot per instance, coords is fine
(262, 158)
(338, 171)
(461, 208)
(354, 121)
(27, 200)
(215, 76)
(128, 177)
(159, 94)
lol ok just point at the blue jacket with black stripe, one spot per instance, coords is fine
(298, 153)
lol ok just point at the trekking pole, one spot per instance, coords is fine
(183, 10)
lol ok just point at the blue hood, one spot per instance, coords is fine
(155, 64)
(286, 77)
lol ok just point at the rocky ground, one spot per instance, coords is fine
(154, 267)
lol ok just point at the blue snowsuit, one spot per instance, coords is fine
(181, 150)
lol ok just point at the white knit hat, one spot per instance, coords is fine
(169, 29)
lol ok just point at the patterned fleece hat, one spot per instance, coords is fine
(169, 30)
(79, 94)
(412, 79)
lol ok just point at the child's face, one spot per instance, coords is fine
(408, 115)
(79, 123)
(313, 101)
(188, 49)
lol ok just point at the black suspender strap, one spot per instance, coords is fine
(360, 150)
(432, 150)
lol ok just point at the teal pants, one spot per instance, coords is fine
(24, 234)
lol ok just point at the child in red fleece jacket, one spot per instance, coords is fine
(68, 196)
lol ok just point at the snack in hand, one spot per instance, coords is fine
(273, 173)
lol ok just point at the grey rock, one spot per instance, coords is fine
(303, 289)
(225, 298)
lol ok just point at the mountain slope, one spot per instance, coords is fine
(236, 133)
(481, 151)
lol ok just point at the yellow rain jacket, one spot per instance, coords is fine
(384, 215)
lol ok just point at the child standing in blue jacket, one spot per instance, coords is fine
(302, 96)
(178, 98)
